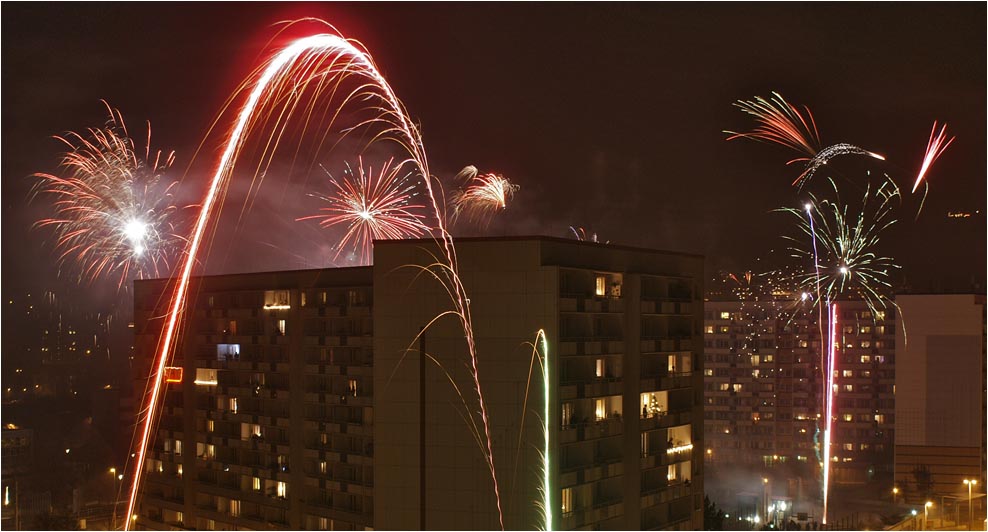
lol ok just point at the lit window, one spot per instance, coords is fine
(302, 295)
(233, 405)
(709, 329)
(282, 490)
(567, 500)
(323, 298)
(567, 416)
(865, 344)
(708, 373)
(235, 507)
(277, 299)
(212, 301)
(179, 471)
(232, 328)
(322, 467)
(178, 447)
(880, 418)
(600, 409)
(601, 288)
(323, 523)
(282, 325)
(880, 315)
(324, 438)
(724, 386)
(755, 360)
(880, 359)
(227, 351)
(736, 387)
(864, 330)
(865, 359)
(206, 377)
(848, 417)
(210, 425)
(848, 446)
(848, 373)
(725, 315)
(352, 385)
(599, 369)
(256, 484)
(671, 473)
(180, 517)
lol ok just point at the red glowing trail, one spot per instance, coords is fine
(934, 148)
(344, 58)
(831, 368)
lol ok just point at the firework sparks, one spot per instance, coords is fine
(372, 207)
(113, 208)
(934, 148)
(781, 123)
(314, 65)
(482, 196)
(583, 235)
(846, 263)
(828, 153)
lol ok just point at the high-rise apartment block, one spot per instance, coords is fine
(346, 398)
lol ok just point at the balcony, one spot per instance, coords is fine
(591, 430)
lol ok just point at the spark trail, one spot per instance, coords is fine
(934, 149)
(114, 211)
(318, 62)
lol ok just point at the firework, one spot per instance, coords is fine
(113, 208)
(846, 263)
(934, 148)
(317, 66)
(372, 207)
(828, 153)
(482, 197)
(583, 235)
(781, 123)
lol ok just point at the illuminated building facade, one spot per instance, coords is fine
(270, 424)
(301, 396)
(763, 388)
(940, 407)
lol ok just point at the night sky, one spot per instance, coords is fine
(609, 116)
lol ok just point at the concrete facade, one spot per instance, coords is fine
(940, 405)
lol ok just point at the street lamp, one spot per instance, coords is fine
(113, 519)
(970, 504)
(895, 493)
(926, 514)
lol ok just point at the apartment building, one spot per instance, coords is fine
(764, 389)
(304, 401)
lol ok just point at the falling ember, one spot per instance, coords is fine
(320, 60)
(113, 209)
(934, 148)
(482, 197)
(372, 206)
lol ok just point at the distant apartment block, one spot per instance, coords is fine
(764, 390)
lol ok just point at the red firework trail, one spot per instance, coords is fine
(317, 60)
(373, 207)
(934, 148)
(781, 123)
